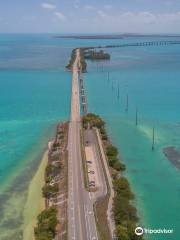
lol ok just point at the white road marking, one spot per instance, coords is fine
(76, 225)
(87, 227)
(90, 196)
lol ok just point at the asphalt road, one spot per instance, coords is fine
(90, 137)
(81, 220)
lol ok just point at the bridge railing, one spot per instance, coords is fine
(139, 44)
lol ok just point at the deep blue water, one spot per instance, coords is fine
(35, 95)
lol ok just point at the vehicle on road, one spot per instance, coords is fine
(91, 185)
(92, 181)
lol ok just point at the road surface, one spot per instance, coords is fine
(90, 137)
(81, 220)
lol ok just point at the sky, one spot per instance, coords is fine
(90, 16)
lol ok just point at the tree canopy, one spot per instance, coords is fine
(93, 120)
(46, 226)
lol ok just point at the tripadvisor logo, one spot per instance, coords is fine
(139, 231)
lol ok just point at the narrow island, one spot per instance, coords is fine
(82, 59)
(124, 212)
(99, 36)
(96, 55)
(52, 221)
(85, 185)
(87, 53)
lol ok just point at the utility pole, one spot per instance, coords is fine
(102, 68)
(136, 116)
(108, 76)
(127, 103)
(153, 139)
(118, 92)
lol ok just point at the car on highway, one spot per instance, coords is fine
(91, 184)
(92, 181)
(90, 162)
(91, 172)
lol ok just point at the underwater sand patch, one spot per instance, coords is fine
(173, 155)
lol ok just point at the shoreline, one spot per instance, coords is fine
(52, 192)
(34, 199)
(117, 206)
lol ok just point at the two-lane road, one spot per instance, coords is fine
(81, 220)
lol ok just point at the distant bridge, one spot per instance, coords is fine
(141, 44)
(137, 44)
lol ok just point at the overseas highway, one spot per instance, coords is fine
(81, 219)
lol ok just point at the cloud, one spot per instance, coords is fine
(60, 16)
(136, 21)
(48, 6)
(101, 13)
(89, 7)
(132, 20)
(148, 17)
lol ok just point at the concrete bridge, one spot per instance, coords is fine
(83, 95)
(141, 44)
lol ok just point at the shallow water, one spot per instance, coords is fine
(152, 84)
(34, 97)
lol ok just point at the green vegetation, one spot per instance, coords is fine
(125, 214)
(54, 180)
(52, 170)
(122, 188)
(96, 55)
(72, 59)
(104, 135)
(46, 226)
(49, 191)
(83, 62)
(112, 155)
(122, 232)
(82, 59)
(111, 151)
(92, 120)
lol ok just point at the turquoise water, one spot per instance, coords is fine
(151, 78)
(35, 95)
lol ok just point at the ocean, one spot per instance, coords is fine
(35, 95)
